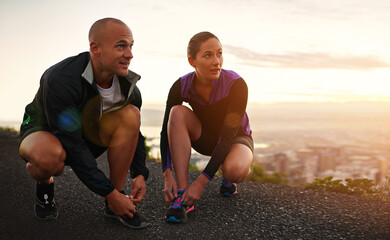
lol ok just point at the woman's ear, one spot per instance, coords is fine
(191, 61)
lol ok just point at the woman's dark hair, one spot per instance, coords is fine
(196, 41)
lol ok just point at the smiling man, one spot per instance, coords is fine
(85, 105)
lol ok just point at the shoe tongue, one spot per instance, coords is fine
(181, 191)
(45, 193)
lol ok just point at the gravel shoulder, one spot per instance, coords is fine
(259, 211)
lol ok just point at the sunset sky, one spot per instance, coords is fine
(287, 51)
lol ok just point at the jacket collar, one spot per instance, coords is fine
(131, 77)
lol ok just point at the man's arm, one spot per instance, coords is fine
(61, 102)
(138, 166)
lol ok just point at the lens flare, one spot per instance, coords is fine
(69, 120)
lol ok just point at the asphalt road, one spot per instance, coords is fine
(259, 211)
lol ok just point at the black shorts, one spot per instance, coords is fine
(207, 142)
(34, 121)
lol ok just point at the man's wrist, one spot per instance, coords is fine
(140, 174)
(111, 195)
(140, 177)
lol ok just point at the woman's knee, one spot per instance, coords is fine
(236, 167)
(179, 113)
(236, 173)
(182, 119)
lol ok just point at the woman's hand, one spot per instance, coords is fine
(170, 187)
(193, 192)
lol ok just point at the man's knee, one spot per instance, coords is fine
(46, 160)
(130, 116)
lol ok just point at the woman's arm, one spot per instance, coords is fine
(238, 97)
(174, 98)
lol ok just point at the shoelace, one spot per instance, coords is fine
(226, 183)
(177, 203)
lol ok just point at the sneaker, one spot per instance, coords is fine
(137, 222)
(227, 188)
(45, 206)
(177, 212)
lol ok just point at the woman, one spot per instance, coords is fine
(217, 126)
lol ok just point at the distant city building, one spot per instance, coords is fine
(327, 157)
(326, 161)
(265, 161)
(383, 168)
(281, 163)
(309, 161)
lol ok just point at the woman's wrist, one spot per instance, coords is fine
(203, 180)
(167, 173)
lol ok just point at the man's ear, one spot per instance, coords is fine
(191, 61)
(94, 48)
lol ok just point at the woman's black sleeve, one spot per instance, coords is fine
(174, 98)
(238, 97)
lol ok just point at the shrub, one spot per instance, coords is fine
(328, 184)
(383, 190)
(8, 129)
(258, 174)
(359, 187)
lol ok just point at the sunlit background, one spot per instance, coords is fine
(317, 71)
(287, 51)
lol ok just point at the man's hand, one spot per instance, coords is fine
(138, 189)
(195, 190)
(170, 187)
(120, 204)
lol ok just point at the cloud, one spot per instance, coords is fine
(302, 60)
(337, 95)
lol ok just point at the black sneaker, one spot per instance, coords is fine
(45, 205)
(137, 222)
(227, 188)
(177, 212)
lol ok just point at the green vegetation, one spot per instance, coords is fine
(8, 129)
(147, 148)
(194, 168)
(258, 174)
(383, 190)
(359, 187)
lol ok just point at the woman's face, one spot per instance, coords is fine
(208, 61)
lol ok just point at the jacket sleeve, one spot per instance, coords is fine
(174, 98)
(238, 97)
(138, 166)
(60, 99)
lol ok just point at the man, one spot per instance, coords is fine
(85, 105)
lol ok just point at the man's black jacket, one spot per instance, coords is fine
(71, 109)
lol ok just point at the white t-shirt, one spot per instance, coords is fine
(112, 95)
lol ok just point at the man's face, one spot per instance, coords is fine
(116, 49)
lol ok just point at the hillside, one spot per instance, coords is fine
(259, 211)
